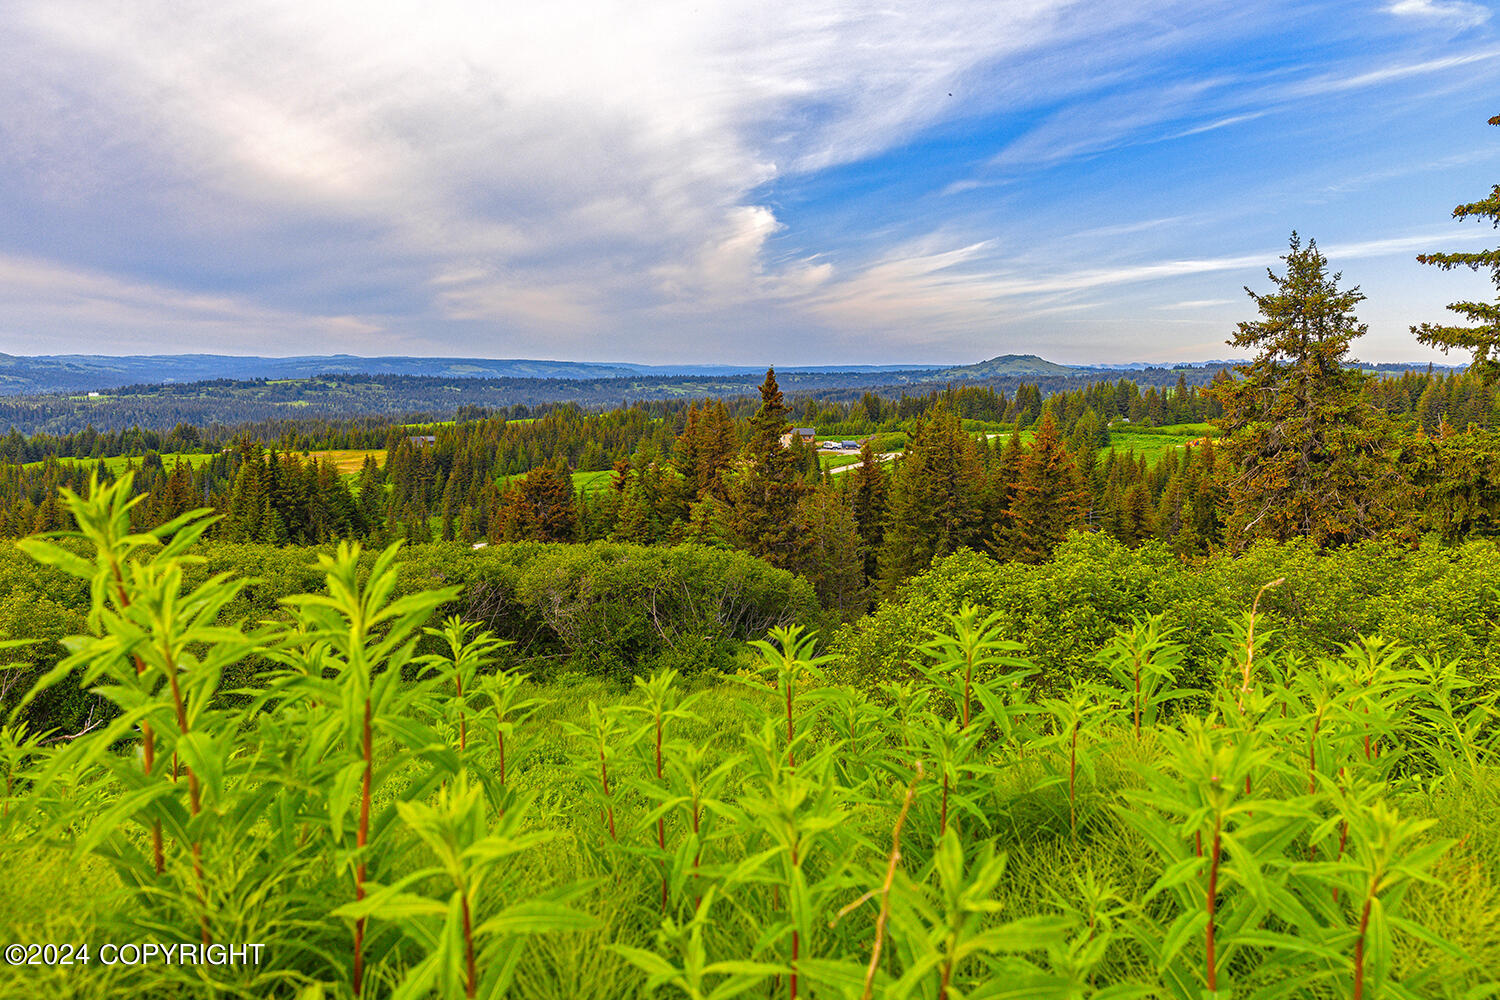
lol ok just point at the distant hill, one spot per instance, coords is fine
(25, 375)
(1005, 366)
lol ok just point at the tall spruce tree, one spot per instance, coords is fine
(1482, 338)
(1300, 432)
(540, 508)
(1050, 498)
(762, 501)
(829, 555)
(936, 498)
(868, 497)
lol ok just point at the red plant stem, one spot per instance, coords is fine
(661, 821)
(1312, 755)
(148, 739)
(1073, 779)
(795, 945)
(791, 762)
(500, 738)
(968, 683)
(1312, 772)
(1198, 844)
(471, 984)
(1213, 902)
(697, 815)
(885, 889)
(361, 838)
(1137, 698)
(1343, 840)
(604, 775)
(194, 792)
(463, 722)
(943, 822)
(1359, 942)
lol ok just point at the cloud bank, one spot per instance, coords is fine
(672, 181)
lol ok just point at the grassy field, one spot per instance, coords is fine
(1151, 442)
(591, 482)
(1156, 442)
(118, 463)
(584, 482)
(828, 461)
(349, 460)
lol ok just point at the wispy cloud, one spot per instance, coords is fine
(148, 318)
(1457, 12)
(1198, 304)
(588, 179)
(942, 290)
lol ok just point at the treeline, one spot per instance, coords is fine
(416, 398)
(717, 473)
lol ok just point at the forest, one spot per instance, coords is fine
(1097, 689)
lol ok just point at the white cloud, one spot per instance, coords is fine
(1457, 12)
(475, 178)
(941, 292)
(587, 151)
(39, 301)
(1198, 304)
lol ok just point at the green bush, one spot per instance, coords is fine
(1440, 601)
(610, 608)
(603, 608)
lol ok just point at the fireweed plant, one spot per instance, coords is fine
(392, 811)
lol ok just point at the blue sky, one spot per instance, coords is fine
(742, 182)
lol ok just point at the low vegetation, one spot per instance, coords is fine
(396, 811)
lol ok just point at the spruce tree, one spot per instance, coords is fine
(1050, 496)
(1000, 494)
(868, 498)
(763, 499)
(1482, 338)
(829, 555)
(1137, 520)
(540, 508)
(936, 498)
(1300, 433)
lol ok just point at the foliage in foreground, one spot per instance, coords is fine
(602, 608)
(388, 823)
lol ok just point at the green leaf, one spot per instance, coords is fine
(537, 916)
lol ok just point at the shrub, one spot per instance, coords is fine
(1440, 601)
(603, 608)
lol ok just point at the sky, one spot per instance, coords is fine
(729, 181)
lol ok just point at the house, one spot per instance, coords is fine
(422, 440)
(807, 435)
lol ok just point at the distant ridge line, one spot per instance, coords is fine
(76, 373)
